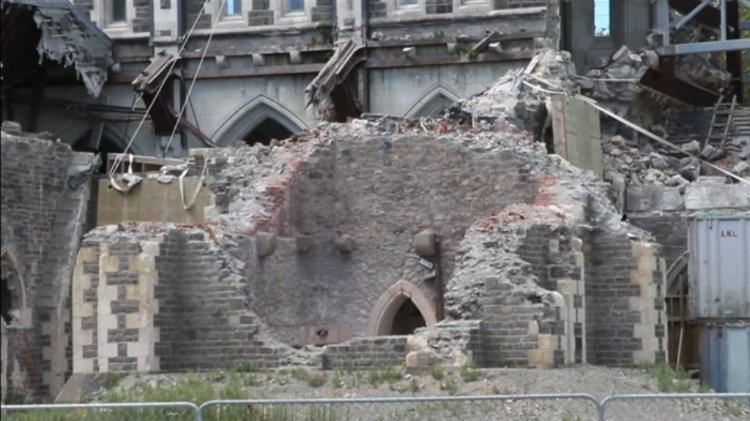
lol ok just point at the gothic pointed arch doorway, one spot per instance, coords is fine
(400, 310)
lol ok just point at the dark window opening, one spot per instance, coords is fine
(106, 147)
(234, 8)
(407, 319)
(8, 293)
(266, 131)
(119, 10)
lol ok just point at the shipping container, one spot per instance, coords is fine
(719, 266)
(725, 357)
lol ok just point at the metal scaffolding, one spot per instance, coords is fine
(720, 15)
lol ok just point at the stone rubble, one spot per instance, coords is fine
(519, 99)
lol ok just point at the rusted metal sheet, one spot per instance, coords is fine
(67, 37)
(719, 247)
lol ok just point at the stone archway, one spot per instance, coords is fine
(262, 115)
(12, 292)
(433, 103)
(399, 301)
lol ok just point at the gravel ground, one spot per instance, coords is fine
(298, 383)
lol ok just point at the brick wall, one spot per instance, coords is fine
(439, 6)
(670, 230)
(366, 353)
(624, 274)
(142, 20)
(322, 11)
(333, 192)
(514, 4)
(193, 11)
(513, 326)
(42, 222)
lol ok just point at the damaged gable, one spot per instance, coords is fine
(68, 37)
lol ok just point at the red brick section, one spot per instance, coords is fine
(281, 192)
(546, 195)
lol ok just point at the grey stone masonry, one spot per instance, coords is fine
(625, 271)
(439, 6)
(515, 4)
(322, 11)
(37, 206)
(512, 324)
(193, 11)
(376, 352)
(142, 20)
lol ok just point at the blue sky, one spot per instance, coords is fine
(601, 14)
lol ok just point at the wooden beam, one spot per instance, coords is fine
(394, 63)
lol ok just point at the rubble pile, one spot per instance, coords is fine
(519, 97)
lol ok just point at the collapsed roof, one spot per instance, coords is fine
(59, 32)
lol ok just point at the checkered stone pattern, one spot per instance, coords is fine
(113, 308)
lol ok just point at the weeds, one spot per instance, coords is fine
(113, 379)
(437, 372)
(300, 374)
(449, 385)
(317, 380)
(469, 373)
(669, 380)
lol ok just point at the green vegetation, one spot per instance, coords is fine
(668, 380)
(113, 380)
(317, 380)
(469, 373)
(437, 371)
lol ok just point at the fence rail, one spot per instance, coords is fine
(564, 406)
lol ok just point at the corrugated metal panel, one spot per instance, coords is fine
(720, 267)
(725, 358)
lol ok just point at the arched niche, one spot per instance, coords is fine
(392, 302)
(260, 113)
(13, 307)
(433, 103)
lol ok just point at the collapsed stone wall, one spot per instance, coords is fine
(42, 224)
(347, 188)
(155, 298)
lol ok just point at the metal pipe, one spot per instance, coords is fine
(685, 19)
(723, 20)
(662, 20)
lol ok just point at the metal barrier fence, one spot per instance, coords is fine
(563, 407)
(685, 406)
(574, 406)
(137, 411)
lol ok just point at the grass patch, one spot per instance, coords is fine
(436, 371)
(449, 385)
(317, 380)
(469, 374)
(300, 374)
(414, 386)
(113, 379)
(336, 380)
(668, 380)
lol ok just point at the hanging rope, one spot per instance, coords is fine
(119, 158)
(195, 77)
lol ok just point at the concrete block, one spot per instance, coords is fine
(265, 244)
(639, 199)
(425, 243)
(344, 243)
(717, 196)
